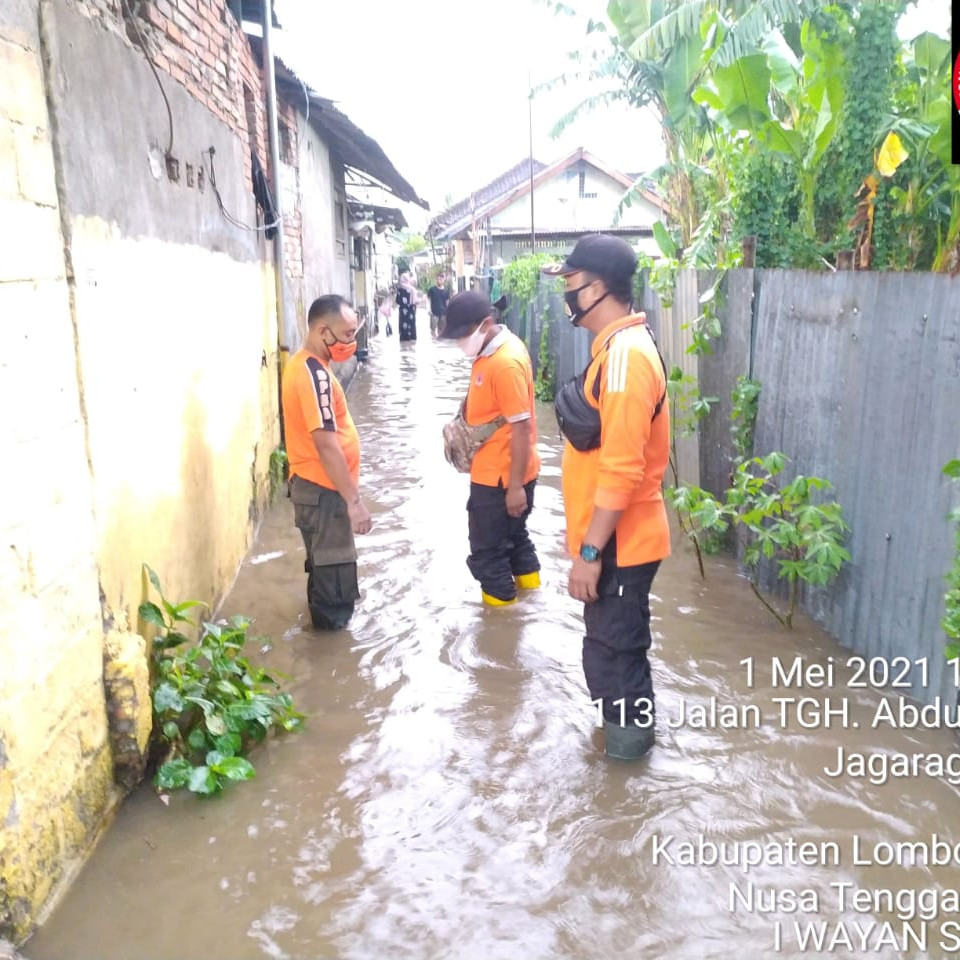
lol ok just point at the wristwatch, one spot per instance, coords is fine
(588, 553)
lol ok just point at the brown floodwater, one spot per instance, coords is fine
(449, 797)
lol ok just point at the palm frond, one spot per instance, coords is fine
(677, 25)
(592, 102)
(756, 21)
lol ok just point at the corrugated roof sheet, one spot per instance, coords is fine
(349, 142)
(483, 197)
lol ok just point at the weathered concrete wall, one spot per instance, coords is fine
(176, 326)
(56, 783)
(138, 370)
(326, 267)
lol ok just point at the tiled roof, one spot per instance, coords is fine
(503, 184)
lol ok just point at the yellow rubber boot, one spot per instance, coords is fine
(496, 601)
(528, 581)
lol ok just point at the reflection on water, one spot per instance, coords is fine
(449, 797)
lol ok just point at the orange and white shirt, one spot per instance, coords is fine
(626, 471)
(314, 400)
(501, 385)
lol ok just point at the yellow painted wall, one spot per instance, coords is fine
(182, 411)
(137, 425)
(56, 784)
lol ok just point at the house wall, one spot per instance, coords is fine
(506, 249)
(326, 240)
(139, 353)
(56, 779)
(557, 204)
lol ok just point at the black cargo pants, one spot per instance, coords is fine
(500, 547)
(617, 641)
(321, 517)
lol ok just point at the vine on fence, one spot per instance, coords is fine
(743, 418)
(545, 387)
(520, 281)
(692, 505)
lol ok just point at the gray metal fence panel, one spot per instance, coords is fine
(861, 385)
(671, 327)
(718, 375)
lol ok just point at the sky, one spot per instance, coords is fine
(442, 85)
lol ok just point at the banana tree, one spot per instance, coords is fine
(786, 103)
(702, 53)
(931, 196)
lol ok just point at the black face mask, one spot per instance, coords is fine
(574, 311)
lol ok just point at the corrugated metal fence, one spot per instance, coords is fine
(861, 386)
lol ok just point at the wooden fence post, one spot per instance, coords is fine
(844, 259)
(749, 246)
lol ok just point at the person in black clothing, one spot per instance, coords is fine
(407, 301)
(439, 295)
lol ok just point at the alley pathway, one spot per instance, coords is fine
(449, 798)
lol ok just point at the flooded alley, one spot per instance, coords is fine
(449, 796)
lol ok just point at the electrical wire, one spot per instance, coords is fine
(213, 177)
(146, 53)
(169, 151)
(226, 213)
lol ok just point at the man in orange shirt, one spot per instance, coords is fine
(323, 450)
(504, 470)
(616, 424)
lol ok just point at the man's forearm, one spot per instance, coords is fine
(519, 452)
(600, 529)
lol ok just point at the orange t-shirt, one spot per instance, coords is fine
(626, 471)
(501, 385)
(314, 400)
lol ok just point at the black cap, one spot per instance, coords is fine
(607, 257)
(465, 312)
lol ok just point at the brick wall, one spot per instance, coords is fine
(199, 44)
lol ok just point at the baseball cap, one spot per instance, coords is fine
(465, 311)
(607, 257)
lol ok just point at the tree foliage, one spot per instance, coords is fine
(772, 113)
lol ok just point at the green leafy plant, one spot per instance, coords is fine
(704, 519)
(414, 243)
(210, 704)
(743, 417)
(687, 408)
(951, 617)
(278, 470)
(521, 281)
(545, 386)
(805, 539)
(428, 276)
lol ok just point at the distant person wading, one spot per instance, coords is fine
(407, 302)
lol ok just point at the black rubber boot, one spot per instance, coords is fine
(627, 743)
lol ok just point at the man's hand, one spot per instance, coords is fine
(516, 501)
(359, 516)
(582, 583)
